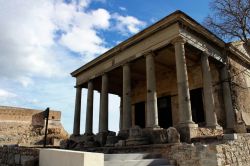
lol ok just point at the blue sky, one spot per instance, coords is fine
(42, 41)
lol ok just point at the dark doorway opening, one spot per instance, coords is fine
(140, 114)
(164, 112)
(197, 106)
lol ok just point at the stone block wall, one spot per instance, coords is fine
(34, 117)
(233, 152)
(194, 155)
(10, 155)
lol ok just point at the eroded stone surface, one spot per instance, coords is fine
(173, 135)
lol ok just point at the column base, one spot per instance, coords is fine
(155, 127)
(136, 137)
(218, 127)
(156, 135)
(187, 124)
(88, 134)
(187, 131)
(123, 134)
(101, 137)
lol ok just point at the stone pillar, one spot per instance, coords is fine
(121, 115)
(77, 117)
(127, 122)
(230, 116)
(89, 110)
(103, 115)
(185, 112)
(152, 110)
(211, 119)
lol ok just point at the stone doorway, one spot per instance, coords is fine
(197, 106)
(140, 114)
(164, 112)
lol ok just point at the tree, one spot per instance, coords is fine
(230, 19)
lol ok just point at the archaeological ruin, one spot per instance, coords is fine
(179, 84)
(25, 127)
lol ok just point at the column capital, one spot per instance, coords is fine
(178, 39)
(126, 64)
(149, 53)
(205, 53)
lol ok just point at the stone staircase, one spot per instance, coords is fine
(135, 159)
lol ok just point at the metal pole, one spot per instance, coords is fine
(46, 115)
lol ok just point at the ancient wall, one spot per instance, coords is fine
(10, 155)
(26, 127)
(240, 84)
(35, 117)
(233, 150)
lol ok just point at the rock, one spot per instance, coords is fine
(135, 131)
(101, 138)
(173, 135)
(156, 136)
(120, 143)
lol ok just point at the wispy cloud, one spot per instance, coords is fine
(122, 8)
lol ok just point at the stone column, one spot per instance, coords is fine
(89, 110)
(185, 112)
(230, 116)
(152, 110)
(103, 115)
(121, 115)
(77, 117)
(211, 119)
(126, 97)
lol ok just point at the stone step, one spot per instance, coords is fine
(143, 162)
(130, 156)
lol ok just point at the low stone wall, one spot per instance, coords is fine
(193, 155)
(233, 150)
(10, 155)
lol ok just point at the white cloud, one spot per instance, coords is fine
(28, 30)
(6, 94)
(36, 45)
(127, 24)
(81, 32)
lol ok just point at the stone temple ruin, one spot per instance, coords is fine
(178, 83)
